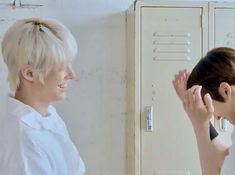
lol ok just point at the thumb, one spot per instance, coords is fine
(208, 103)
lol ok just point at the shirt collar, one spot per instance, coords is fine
(31, 117)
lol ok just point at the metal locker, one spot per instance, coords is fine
(171, 39)
(168, 37)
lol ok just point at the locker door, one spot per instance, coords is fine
(224, 35)
(224, 27)
(171, 39)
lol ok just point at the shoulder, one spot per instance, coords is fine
(59, 120)
(228, 165)
(52, 109)
(9, 128)
(17, 129)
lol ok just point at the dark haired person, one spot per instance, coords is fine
(209, 91)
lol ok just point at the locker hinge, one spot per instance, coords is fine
(202, 21)
(135, 1)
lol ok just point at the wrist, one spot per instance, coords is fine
(202, 127)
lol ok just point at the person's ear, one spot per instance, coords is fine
(225, 90)
(27, 73)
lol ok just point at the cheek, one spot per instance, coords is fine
(217, 114)
(220, 109)
(56, 79)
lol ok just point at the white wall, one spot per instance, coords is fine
(95, 111)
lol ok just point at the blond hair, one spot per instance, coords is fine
(40, 43)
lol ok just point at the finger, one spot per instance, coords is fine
(187, 74)
(198, 97)
(180, 80)
(190, 96)
(193, 88)
(186, 97)
(178, 76)
(186, 101)
(175, 87)
(174, 81)
(184, 73)
(180, 91)
(180, 73)
(179, 83)
(184, 78)
(208, 103)
(181, 70)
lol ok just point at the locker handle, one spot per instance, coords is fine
(149, 118)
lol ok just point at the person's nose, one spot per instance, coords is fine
(70, 74)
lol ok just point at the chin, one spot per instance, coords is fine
(60, 97)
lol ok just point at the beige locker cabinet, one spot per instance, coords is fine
(164, 37)
(221, 24)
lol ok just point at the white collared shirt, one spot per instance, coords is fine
(34, 145)
(228, 167)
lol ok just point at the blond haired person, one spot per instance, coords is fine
(33, 137)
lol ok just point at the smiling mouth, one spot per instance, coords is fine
(62, 86)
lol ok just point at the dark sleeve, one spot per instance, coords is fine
(213, 132)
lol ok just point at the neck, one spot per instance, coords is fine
(29, 99)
